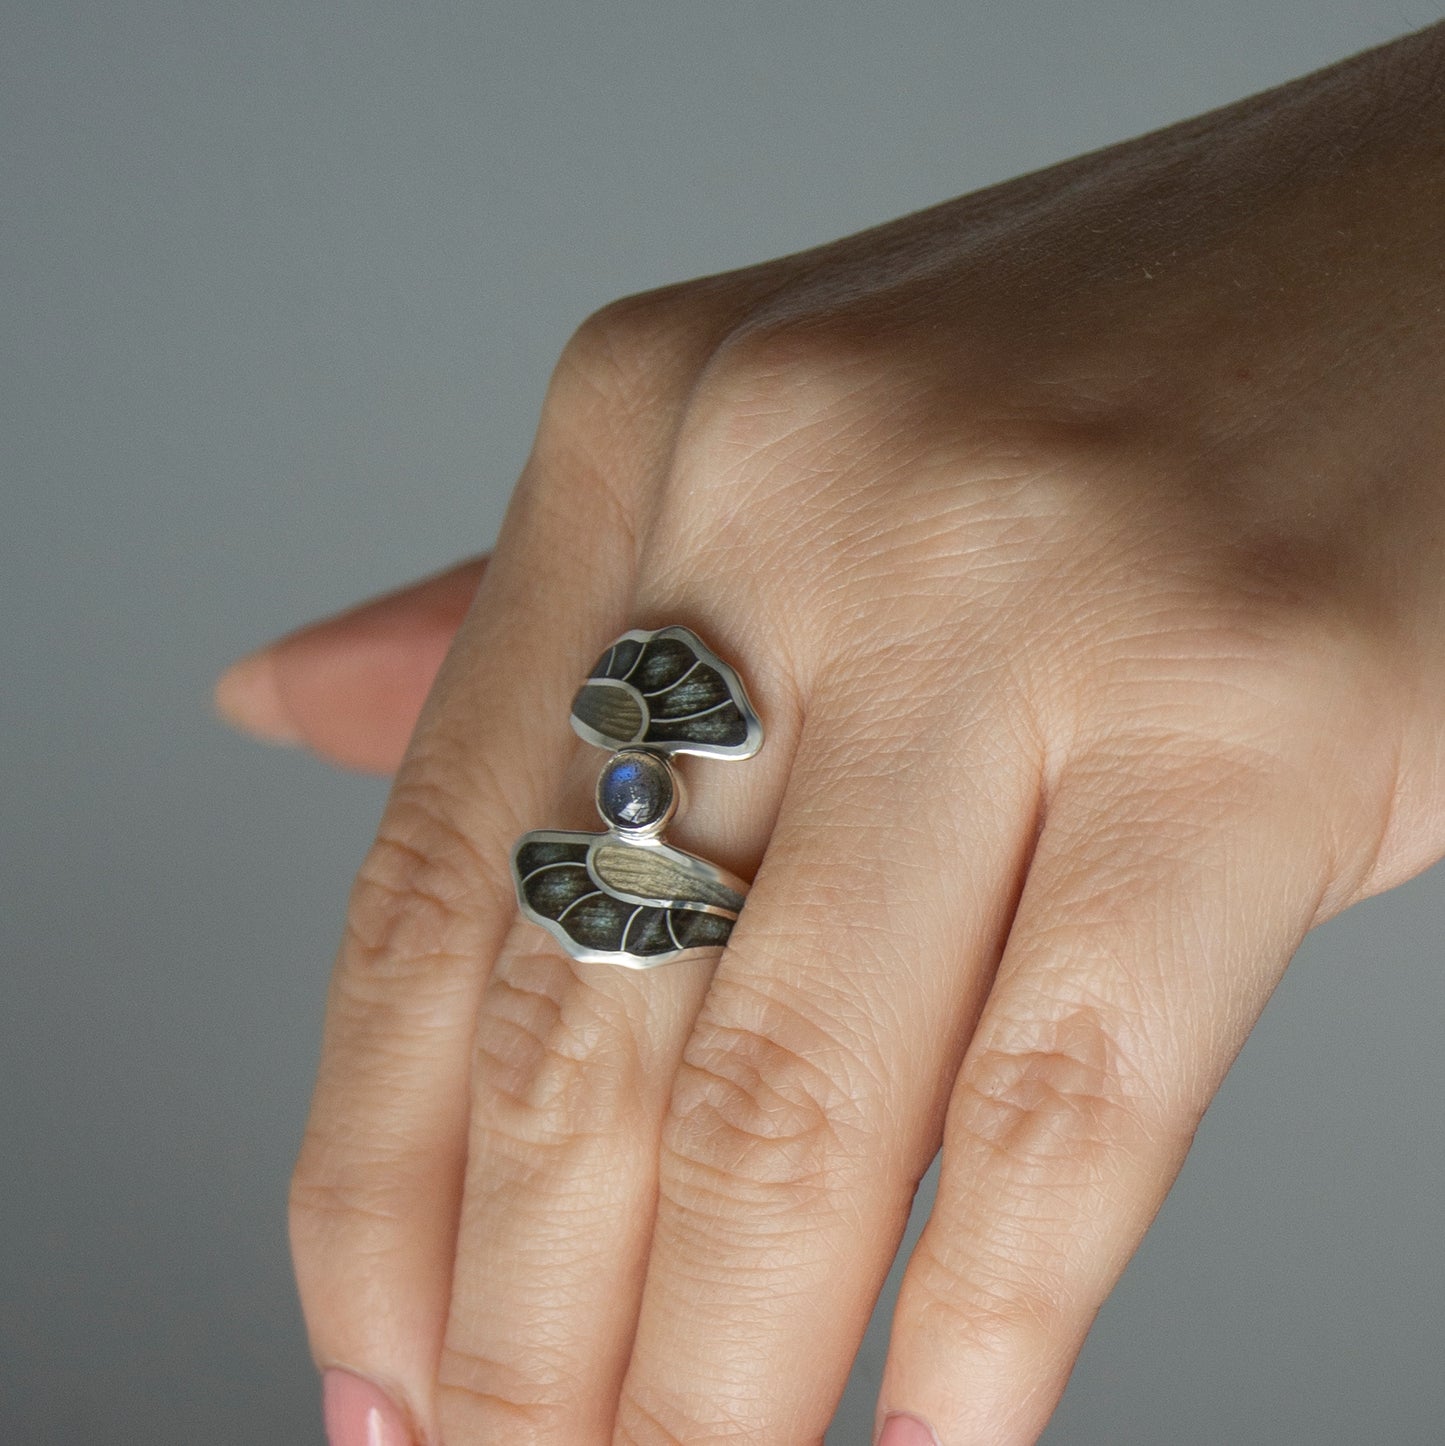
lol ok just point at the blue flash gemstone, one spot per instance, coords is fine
(636, 790)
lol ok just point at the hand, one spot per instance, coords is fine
(1079, 540)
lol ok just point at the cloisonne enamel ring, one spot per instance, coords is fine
(626, 897)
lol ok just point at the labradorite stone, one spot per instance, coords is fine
(636, 790)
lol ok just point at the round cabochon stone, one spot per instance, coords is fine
(637, 790)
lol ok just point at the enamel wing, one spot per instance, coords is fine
(668, 691)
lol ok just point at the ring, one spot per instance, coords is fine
(626, 897)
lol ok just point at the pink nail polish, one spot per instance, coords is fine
(248, 696)
(903, 1429)
(359, 1413)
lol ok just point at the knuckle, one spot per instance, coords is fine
(668, 1423)
(977, 1303)
(618, 354)
(617, 381)
(558, 1059)
(766, 1108)
(780, 386)
(533, 1405)
(1224, 661)
(653, 1417)
(418, 902)
(326, 1200)
(345, 1204)
(1047, 1103)
(777, 417)
(627, 327)
(1040, 1130)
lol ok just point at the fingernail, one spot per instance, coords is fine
(248, 697)
(359, 1413)
(900, 1428)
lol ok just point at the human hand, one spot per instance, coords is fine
(1079, 541)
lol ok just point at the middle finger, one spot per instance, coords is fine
(810, 1095)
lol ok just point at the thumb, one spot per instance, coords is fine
(350, 686)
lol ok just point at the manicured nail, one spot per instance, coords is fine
(359, 1413)
(247, 697)
(900, 1428)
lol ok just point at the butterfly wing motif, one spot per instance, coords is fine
(668, 691)
(624, 896)
(624, 902)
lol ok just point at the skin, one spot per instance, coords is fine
(1080, 541)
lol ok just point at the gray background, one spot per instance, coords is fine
(281, 286)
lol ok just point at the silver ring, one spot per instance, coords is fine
(624, 896)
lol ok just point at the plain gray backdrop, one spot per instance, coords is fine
(282, 283)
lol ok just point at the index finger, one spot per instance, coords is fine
(377, 1183)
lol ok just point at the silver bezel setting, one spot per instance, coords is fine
(647, 830)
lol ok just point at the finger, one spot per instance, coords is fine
(1155, 922)
(377, 1183)
(572, 1067)
(351, 686)
(809, 1099)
